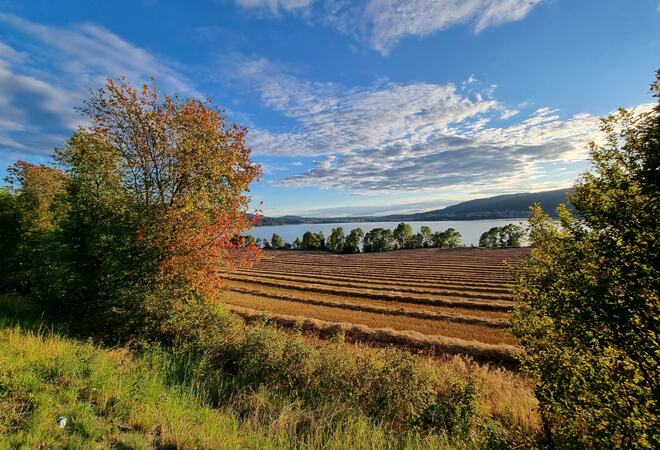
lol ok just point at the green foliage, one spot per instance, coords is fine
(354, 241)
(378, 240)
(337, 240)
(312, 241)
(276, 241)
(450, 238)
(509, 235)
(10, 233)
(591, 294)
(403, 234)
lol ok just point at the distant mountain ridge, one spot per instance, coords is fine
(506, 206)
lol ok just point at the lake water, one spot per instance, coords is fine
(471, 230)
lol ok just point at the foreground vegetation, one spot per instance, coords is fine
(260, 388)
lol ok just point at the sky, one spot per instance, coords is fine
(353, 107)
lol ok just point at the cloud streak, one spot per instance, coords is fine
(40, 87)
(405, 137)
(381, 24)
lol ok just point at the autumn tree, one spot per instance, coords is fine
(32, 208)
(148, 213)
(591, 298)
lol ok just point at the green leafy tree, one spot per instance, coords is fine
(591, 296)
(311, 241)
(427, 235)
(510, 235)
(276, 241)
(336, 240)
(450, 238)
(490, 238)
(378, 240)
(354, 241)
(297, 244)
(403, 234)
(417, 241)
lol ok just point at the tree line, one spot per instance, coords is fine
(382, 239)
(375, 240)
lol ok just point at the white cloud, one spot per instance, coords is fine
(275, 6)
(40, 87)
(334, 119)
(403, 137)
(381, 24)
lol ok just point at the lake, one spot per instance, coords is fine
(471, 230)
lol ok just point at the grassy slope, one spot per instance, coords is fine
(114, 399)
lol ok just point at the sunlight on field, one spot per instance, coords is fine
(462, 294)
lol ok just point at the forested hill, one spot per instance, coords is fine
(498, 207)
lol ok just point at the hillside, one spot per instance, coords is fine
(498, 207)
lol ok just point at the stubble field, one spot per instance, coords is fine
(428, 300)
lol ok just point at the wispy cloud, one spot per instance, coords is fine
(403, 137)
(275, 7)
(40, 86)
(381, 24)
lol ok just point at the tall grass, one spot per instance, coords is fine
(228, 385)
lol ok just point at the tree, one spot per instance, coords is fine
(450, 238)
(507, 236)
(427, 235)
(490, 238)
(336, 240)
(354, 241)
(417, 241)
(186, 172)
(37, 187)
(276, 241)
(311, 241)
(145, 216)
(403, 235)
(378, 240)
(34, 210)
(297, 244)
(511, 235)
(591, 288)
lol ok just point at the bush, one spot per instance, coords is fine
(591, 296)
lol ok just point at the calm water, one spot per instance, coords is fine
(470, 229)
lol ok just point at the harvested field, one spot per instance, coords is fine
(460, 296)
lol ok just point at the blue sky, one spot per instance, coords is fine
(354, 107)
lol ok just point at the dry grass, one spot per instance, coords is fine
(333, 314)
(445, 300)
(405, 312)
(375, 285)
(359, 300)
(379, 280)
(427, 344)
(459, 294)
